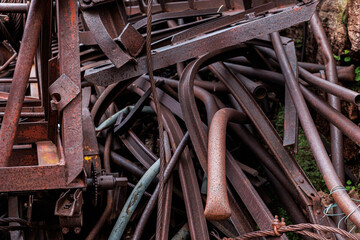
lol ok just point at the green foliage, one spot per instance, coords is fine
(347, 59)
(298, 43)
(304, 156)
(357, 72)
(337, 58)
(343, 56)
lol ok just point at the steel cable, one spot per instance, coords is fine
(298, 228)
(159, 119)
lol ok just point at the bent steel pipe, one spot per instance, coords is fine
(217, 202)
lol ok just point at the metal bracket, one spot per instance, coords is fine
(131, 40)
(68, 208)
(62, 91)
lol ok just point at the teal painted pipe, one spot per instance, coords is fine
(133, 201)
(111, 120)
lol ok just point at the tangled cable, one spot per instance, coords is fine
(23, 224)
(302, 229)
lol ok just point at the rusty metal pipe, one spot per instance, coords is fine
(349, 128)
(20, 79)
(124, 163)
(337, 142)
(167, 174)
(257, 90)
(330, 87)
(326, 168)
(345, 74)
(13, 7)
(209, 86)
(217, 203)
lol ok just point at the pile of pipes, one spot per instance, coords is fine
(132, 120)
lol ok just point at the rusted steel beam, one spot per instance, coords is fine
(20, 79)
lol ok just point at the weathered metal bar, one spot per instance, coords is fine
(291, 122)
(217, 203)
(124, 163)
(192, 198)
(328, 172)
(69, 61)
(14, 7)
(153, 199)
(200, 45)
(20, 79)
(337, 141)
(198, 135)
(238, 220)
(168, 193)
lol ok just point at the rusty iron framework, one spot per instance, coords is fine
(76, 88)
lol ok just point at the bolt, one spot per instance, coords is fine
(301, 180)
(65, 230)
(77, 230)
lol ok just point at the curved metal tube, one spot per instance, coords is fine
(217, 202)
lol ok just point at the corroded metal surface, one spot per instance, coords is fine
(79, 128)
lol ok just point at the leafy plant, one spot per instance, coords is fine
(357, 72)
(337, 58)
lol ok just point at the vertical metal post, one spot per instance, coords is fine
(20, 79)
(69, 60)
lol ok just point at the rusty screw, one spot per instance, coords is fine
(65, 230)
(77, 230)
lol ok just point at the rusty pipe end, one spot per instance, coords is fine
(217, 209)
(260, 92)
(347, 74)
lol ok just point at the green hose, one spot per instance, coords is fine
(133, 201)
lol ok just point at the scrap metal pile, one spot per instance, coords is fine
(134, 120)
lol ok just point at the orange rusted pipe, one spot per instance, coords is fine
(217, 203)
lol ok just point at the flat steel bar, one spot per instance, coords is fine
(291, 122)
(20, 79)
